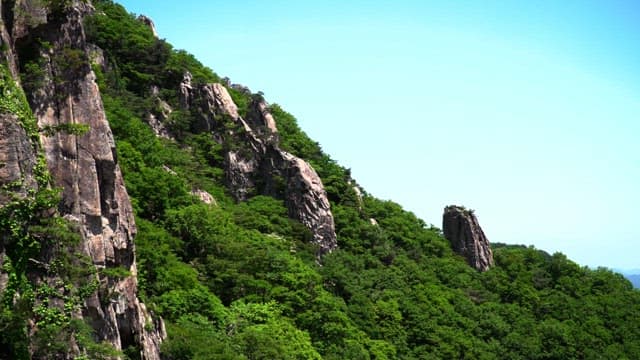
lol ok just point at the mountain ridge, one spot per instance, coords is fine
(235, 256)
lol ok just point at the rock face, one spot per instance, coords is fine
(17, 160)
(157, 120)
(259, 166)
(307, 200)
(147, 21)
(17, 157)
(261, 119)
(205, 197)
(83, 166)
(461, 228)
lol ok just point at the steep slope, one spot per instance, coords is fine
(259, 164)
(240, 278)
(250, 241)
(47, 44)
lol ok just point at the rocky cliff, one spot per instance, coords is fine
(461, 228)
(46, 43)
(255, 164)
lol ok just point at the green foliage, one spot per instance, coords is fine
(240, 281)
(141, 60)
(115, 272)
(33, 75)
(193, 337)
(91, 349)
(71, 64)
(13, 101)
(47, 280)
(69, 129)
(57, 6)
(181, 61)
(129, 41)
(262, 333)
(293, 139)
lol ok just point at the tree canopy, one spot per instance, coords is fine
(241, 281)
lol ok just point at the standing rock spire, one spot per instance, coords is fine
(461, 228)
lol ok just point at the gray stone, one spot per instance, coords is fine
(17, 158)
(460, 226)
(205, 197)
(96, 56)
(147, 21)
(158, 118)
(85, 168)
(259, 165)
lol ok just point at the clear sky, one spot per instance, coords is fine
(526, 111)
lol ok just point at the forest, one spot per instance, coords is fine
(241, 280)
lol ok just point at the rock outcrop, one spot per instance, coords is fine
(83, 166)
(205, 197)
(307, 200)
(158, 118)
(261, 119)
(147, 21)
(460, 226)
(258, 165)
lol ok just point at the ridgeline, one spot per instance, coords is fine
(150, 209)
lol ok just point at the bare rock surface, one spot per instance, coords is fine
(204, 196)
(259, 164)
(307, 201)
(147, 21)
(261, 120)
(17, 158)
(157, 119)
(83, 166)
(218, 97)
(460, 226)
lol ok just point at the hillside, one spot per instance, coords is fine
(250, 241)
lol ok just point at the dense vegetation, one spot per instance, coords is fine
(241, 273)
(241, 281)
(45, 277)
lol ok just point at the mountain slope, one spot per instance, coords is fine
(392, 289)
(69, 284)
(253, 243)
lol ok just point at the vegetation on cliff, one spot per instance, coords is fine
(243, 274)
(242, 281)
(46, 277)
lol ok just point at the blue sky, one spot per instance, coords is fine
(527, 112)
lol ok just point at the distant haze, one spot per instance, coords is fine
(527, 112)
(635, 280)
